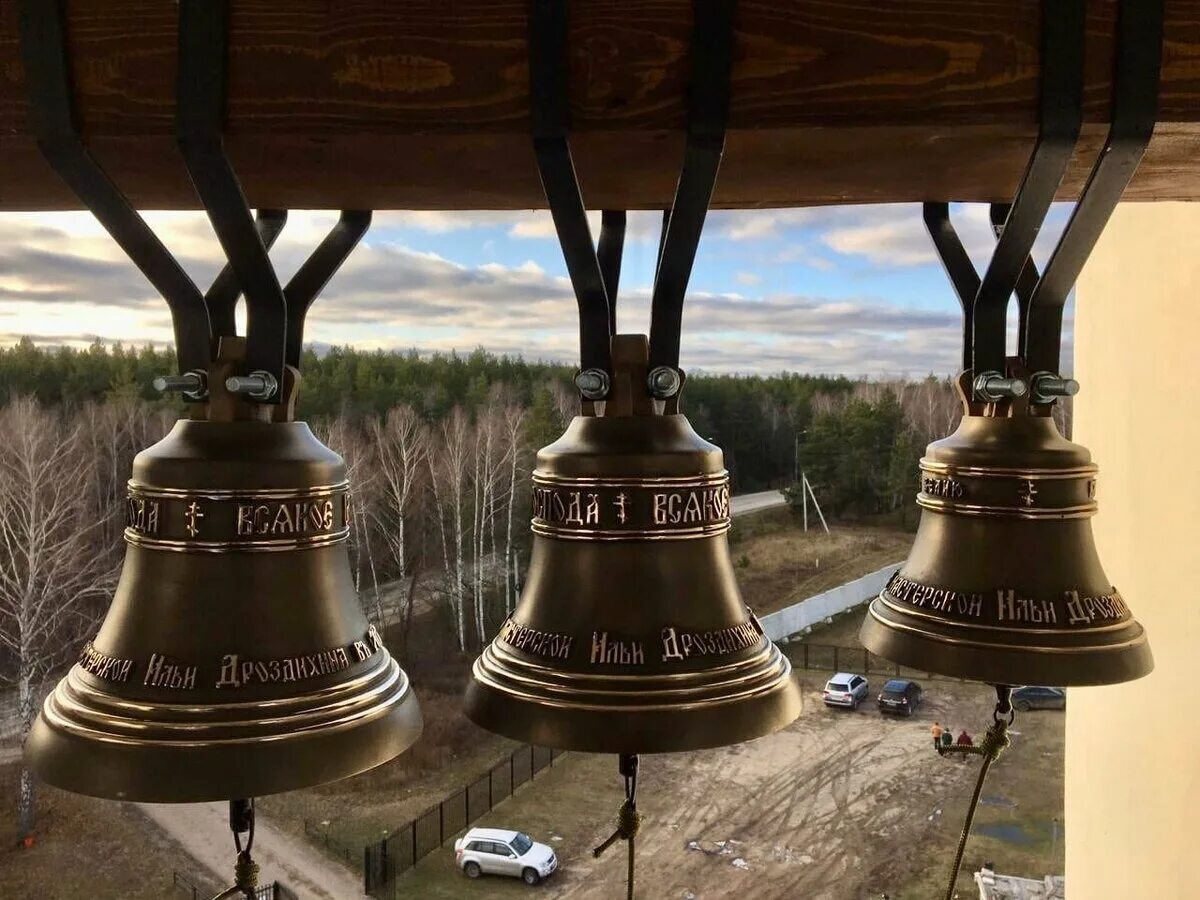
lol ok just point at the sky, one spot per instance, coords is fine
(853, 290)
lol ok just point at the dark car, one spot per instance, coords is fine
(900, 696)
(1027, 698)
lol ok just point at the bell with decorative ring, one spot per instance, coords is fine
(1003, 583)
(630, 635)
(235, 660)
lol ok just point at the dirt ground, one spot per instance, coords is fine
(838, 806)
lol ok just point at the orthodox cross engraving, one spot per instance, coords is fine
(1091, 488)
(192, 513)
(1028, 490)
(621, 503)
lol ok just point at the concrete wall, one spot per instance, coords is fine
(807, 613)
(1133, 751)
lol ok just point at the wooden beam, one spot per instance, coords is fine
(424, 104)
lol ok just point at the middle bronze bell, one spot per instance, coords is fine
(630, 635)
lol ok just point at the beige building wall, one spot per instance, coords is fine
(1133, 751)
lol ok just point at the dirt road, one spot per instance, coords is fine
(838, 806)
(203, 830)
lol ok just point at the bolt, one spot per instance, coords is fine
(257, 385)
(663, 382)
(1047, 386)
(592, 384)
(193, 385)
(993, 387)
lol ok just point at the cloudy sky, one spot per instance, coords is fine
(852, 290)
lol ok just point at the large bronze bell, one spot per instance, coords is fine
(235, 660)
(1003, 583)
(630, 635)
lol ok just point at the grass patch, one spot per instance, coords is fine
(782, 564)
(86, 847)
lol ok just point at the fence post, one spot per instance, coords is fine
(836, 667)
(442, 823)
(491, 803)
(866, 662)
(413, 832)
(512, 772)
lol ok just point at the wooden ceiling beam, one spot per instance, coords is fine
(424, 104)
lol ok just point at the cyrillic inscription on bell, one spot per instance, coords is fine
(1003, 583)
(235, 660)
(630, 635)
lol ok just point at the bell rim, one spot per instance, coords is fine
(656, 727)
(115, 765)
(1061, 665)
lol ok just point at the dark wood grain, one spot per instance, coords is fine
(424, 104)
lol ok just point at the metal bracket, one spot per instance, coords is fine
(48, 76)
(198, 318)
(1011, 268)
(594, 273)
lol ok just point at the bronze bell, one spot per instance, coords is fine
(235, 660)
(1003, 583)
(630, 635)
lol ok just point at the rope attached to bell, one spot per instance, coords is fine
(245, 869)
(990, 747)
(628, 817)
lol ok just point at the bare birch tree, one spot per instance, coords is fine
(402, 445)
(362, 471)
(514, 420)
(448, 473)
(55, 576)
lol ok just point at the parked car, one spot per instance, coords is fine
(1029, 697)
(845, 689)
(498, 851)
(900, 696)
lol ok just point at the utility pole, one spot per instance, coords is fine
(806, 486)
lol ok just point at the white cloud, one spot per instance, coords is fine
(748, 278)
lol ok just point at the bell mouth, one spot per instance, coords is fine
(652, 713)
(1102, 654)
(92, 742)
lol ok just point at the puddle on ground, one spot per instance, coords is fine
(1014, 833)
(993, 800)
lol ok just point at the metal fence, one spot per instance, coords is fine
(385, 860)
(185, 887)
(849, 659)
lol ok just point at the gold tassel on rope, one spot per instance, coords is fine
(628, 819)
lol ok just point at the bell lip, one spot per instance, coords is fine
(698, 725)
(114, 767)
(919, 644)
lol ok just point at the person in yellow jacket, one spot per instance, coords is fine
(936, 730)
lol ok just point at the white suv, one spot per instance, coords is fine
(845, 689)
(498, 851)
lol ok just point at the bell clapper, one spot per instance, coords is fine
(628, 819)
(990, 747)
(245, 870)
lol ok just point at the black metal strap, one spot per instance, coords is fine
(609, 250)
(594, 274)
(222, 297)
(48, 76)
(1041, 298)
(1060, 119)
(310, 279)
(200, 114)
(708, 111)
(550, 122)
(1026, 282)
(958, 266)
(1134, 110)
